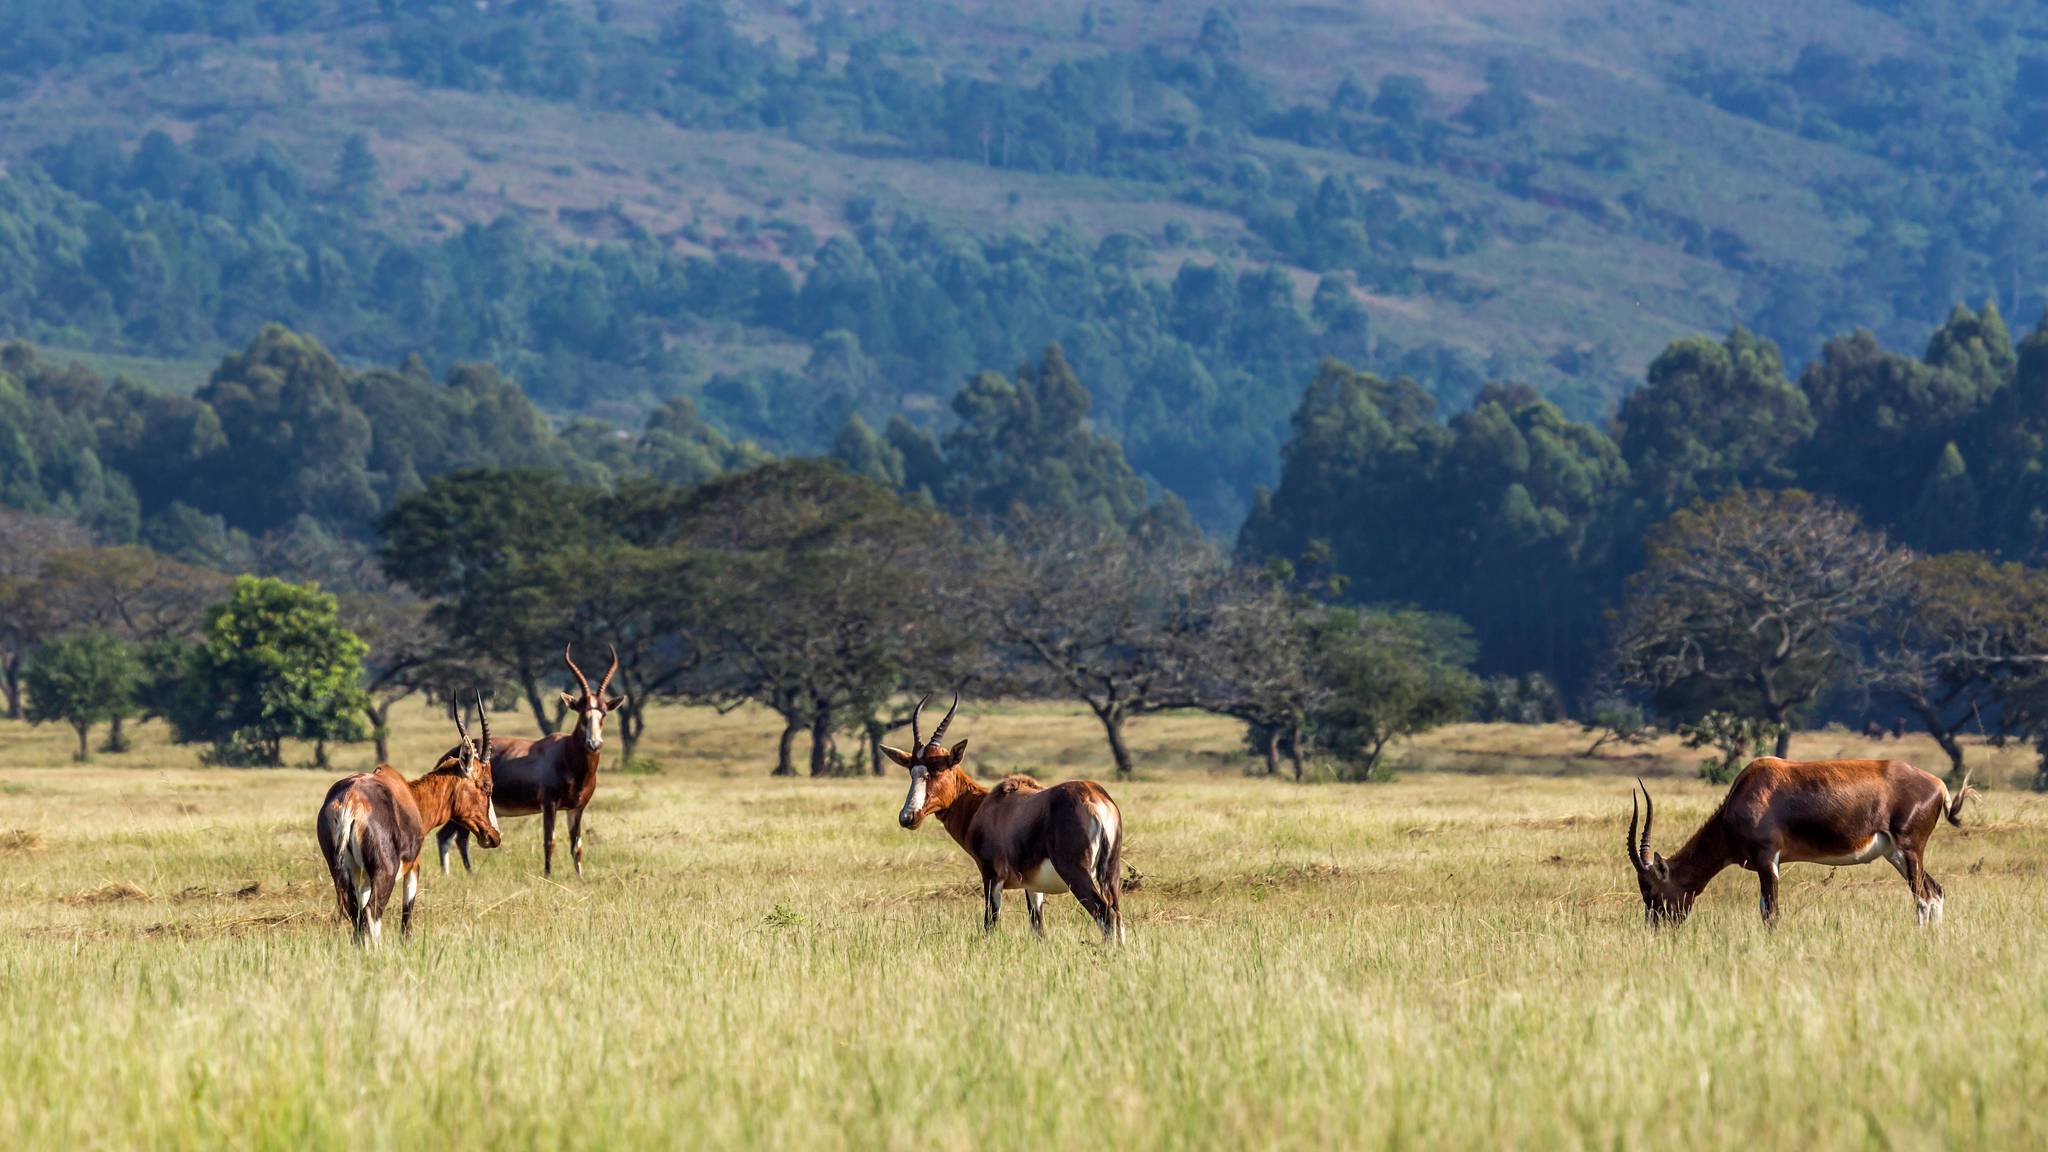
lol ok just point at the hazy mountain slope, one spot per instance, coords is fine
(1580, 183)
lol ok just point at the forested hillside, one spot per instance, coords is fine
(797, 213)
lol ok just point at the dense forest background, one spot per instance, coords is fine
(1425, 308)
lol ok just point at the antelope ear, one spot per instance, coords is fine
(1657, 863)
(958, 751)
(569, 700)
(901, 757)
(615, 703)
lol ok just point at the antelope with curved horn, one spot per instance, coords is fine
(371, 826)
(1833, 812)
(556, 773)
(1022, 835)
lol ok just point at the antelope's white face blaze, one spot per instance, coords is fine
(913, 804)
(593, 728)
(491, 813)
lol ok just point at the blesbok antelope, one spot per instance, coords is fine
(1833, 812)
(556, 773)
(371, 826)
(1066, 838)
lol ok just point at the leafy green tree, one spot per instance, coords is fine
(500, 554)
(83, 679)
(1711, 417)
(1389, 675)
(678, 446)
(1025, 443)
(356, 174)
(296, 444)
(812, 595)
(273, 664)
(1882, 417)
(26, 540)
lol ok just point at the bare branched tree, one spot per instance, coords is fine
(1951, 646)
(1090, 613)
(1749, 604)
(1259, 664)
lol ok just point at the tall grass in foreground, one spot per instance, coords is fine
(1449, 960)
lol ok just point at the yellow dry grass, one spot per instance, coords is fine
(1455, 959)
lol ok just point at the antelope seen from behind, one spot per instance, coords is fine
(1834, 812)
(1022, 835)
(371, 826)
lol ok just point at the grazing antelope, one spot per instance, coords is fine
(1833, 812)
(551, 774)
(1066, 838)
(372, 823)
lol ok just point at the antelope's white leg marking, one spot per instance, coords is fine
(1934, 915)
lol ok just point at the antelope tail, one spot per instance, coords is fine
(347, 864)
(1955, 801)
(1109, 859)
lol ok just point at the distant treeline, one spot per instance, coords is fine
(283, 441)
(1509, 515)
(1525, 523)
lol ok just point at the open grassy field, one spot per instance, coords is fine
(1454, 959)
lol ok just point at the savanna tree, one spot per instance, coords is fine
(273, 663)
(1960, 632)
(1085, 611)
(808, 590)
(1749, 605)
(83, 679)
(1389, 675)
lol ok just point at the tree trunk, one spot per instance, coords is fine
(10, 678)
(631, 724)
(1784, 746)
(1113, 725)
(784, 764)
(821, 740)
(549, 722)
(319, 753)
(117, 740)
(84, 750)
(1954, 748)
(874, 734)
(379, 715)
(1273, 750)
(1294, 749)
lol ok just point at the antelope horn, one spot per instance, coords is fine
(917, 741)
(571, 662)
(1635, 810)
(483, 719)
(1649, 817)
(609, 672)
(455, 713)
(941, 729)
